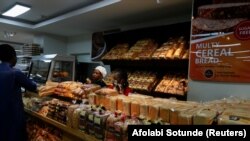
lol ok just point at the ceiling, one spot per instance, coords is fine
(69, 18)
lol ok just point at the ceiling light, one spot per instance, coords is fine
(16, 10)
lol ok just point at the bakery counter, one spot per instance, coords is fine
(69, 134)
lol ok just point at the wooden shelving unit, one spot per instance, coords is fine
(70, 133)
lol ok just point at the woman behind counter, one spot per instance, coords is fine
(97, 76)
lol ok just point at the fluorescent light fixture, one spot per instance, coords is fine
(47, 61)
(16, 10)
(49, 56)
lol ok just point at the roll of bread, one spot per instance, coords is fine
(179, 51)
(186, 54)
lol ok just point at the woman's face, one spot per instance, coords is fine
(96, 75)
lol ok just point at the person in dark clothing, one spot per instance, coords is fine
(97, 76)
(12, 119)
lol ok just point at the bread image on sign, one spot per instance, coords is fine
(215, 19)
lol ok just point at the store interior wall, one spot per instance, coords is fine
(80, 46)
(207, 91)
(54, 45)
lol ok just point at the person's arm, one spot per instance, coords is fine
(24, 81)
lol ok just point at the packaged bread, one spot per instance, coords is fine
(153, 112)
(106, 103)
(164, 113)
(113, 103)
(76, 116)
(135, 108)
(186, 117)
(70, 112)
(51, 83)
(143, 110)
(174, 113)
(233, 120)
(127, 107)
(205, 116)
(92, 98)
(47, 89)
(106, 91)
(236, 111)
(140, 96)
(100, 100)
(120, 100)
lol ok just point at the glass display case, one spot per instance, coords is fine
(24, 64)
(52, 67)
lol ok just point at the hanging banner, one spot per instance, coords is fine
(220, 41)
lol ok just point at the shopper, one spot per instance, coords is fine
(12, 119)
(97, 76)
(120, 82)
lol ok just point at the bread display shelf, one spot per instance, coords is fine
(77, 133)
(159, 49)
(161, 64)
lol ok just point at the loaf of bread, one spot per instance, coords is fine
(113, 103)
(106, 91)
(225, 10)
(120, 104)
(186, 117)
(164, 113)
(92, 98)
(232, 120)
(153, 112)
(127, 107)
(202, 25)
(116, 52)
(135, 108)
(205, 116)
(143, 110)
(47, 89)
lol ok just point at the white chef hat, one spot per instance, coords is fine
(102, 70)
